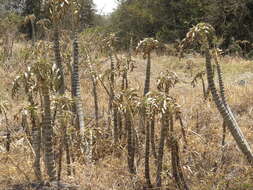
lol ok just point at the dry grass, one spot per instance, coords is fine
(206, 163)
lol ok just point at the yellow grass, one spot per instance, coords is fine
(201, 157)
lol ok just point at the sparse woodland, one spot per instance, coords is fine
(89, 106)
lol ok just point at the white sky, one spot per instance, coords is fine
(105, 6)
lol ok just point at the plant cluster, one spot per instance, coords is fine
(145, 130)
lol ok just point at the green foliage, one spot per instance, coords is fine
(167, 20)
(170, 20)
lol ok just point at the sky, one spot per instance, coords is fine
(105, 6)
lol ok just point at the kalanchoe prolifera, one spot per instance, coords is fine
(146, 46)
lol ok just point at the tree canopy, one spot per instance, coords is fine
(169, 20)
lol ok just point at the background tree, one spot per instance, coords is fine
(87, 13)
(170, 20)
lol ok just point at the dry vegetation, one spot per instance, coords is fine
(206, 163)
(77, 113)
(172, 137)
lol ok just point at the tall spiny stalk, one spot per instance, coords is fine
(222, 92)
(36, 139)
(31, 19)
(94, 86)
(46, 76)
(57, 10)
(95, 95)
(47, 132)
(129, 114)
(204, 34)
(165, 82)
(146, 46)
(109, 43)
(130, 144)
(175, 159)
(152, 135)
(76, 92)
(64, 105)
(124, 66)
(128, 104)
(112, 98)
(160, 154)
(58, 59)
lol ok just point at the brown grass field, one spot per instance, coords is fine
(207, 165)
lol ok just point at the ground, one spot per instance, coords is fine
(206, 163)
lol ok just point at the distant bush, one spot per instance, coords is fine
(235, 49)
(250, 55)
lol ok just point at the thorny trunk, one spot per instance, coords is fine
(130, 142)
(61, 143)
(36, 137)
(36, 143)
(47, 132)
(36, 140)
(115, 124)
(94, 89)
(223, 133)
(223, 97)
(124, 82)
(95, 96)
(147, 124)
(112, 81)
(76, 95)
(222, 89)
(61, 91)
(25, 127)
(146, 90)
(112, 107)
(60, 160)
(58, 60)
(152, 136)
(76, 92)
(147, 151)
(120, 128)
(226, 113)
(164, 129)
(33, 32)
(223, 141)
(175, 159)
(147, 79)
(68, 159)
(8, 141)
